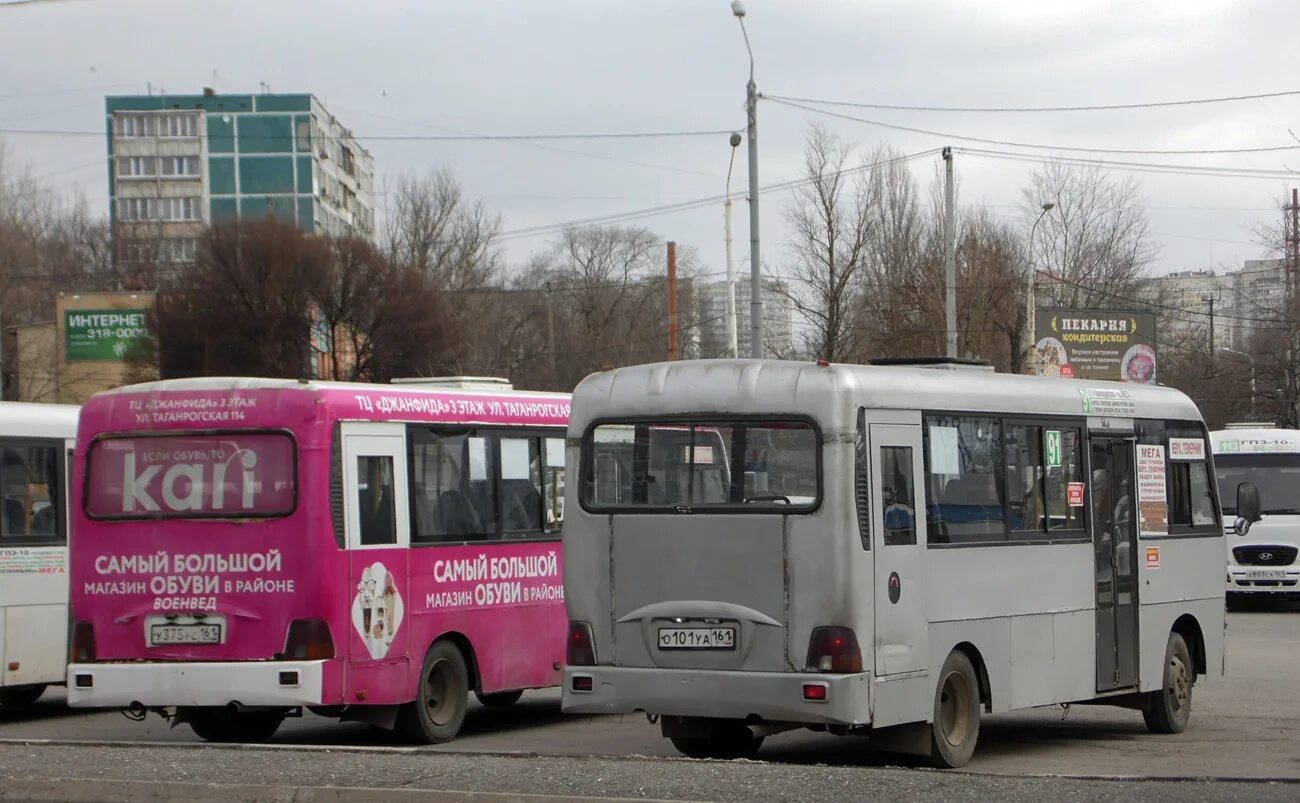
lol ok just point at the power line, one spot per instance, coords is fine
(1036, 109)
(960, 137)
(1136, 167)
(614, 135)
(636, 214)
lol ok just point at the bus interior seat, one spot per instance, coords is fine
(455, 516)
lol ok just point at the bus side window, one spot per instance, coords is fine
(553, 483)
(376, 500)
(896, 497)
(29, 492)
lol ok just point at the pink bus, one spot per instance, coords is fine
(248, 548)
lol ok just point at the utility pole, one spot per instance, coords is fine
(672, 300)
(755, 260)
(550, 332)
(732, 350)
(1292, 290)
(950, 252)
(1210, 299)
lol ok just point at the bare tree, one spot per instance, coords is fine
(598, 298)
(831, 222)
(433, 227)
(1096, 240)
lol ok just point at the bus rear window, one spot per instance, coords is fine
(759, 465)
(224, 475)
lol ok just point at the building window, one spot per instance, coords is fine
(171, 125)
(159, 209)
(137, 166)
(180, 166)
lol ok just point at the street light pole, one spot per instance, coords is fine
(1251, 360)
(1031, 299)
(755, 262)
(731, 270)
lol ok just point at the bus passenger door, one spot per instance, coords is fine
(1114, 542)
(377, 512)
(902, 629)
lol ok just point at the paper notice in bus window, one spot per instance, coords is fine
(1153, 557)
(555, 452)
(1186, 449)
(1074, 494)
(478, 458)
(1153, 508)
(944, 457)
(514, 459)
(703, 455)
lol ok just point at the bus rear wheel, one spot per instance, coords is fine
(1169, 707)
(956, 726)
(500, 699)
(224, 725)
(438, 711)
(21, 696)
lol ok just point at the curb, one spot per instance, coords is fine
(76, 790)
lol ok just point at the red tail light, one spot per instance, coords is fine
(83, 642)
(834, 649)
(308, 640)
(580, 650)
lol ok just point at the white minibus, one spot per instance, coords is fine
(1263, 562)
(888, 550)
(35, 443)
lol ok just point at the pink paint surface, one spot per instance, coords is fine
(148, 541)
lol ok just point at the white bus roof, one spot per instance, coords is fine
(27, 420)
(1260, 440)
(707, 387)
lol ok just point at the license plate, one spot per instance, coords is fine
(1265, 574)
(184, 634)
(697, 638)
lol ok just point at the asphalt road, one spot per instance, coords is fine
(1244, 728)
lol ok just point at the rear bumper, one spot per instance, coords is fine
(259, 683)
(1249, 580)
(772, 696)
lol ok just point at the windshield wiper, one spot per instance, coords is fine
(1280, 511)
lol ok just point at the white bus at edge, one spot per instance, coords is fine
(1264, 561)
(35, 445)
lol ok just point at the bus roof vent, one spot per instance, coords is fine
(1250, 425)
(457, 382)
(946, 363)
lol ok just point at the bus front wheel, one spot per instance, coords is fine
(956, 725)
(438, 711)
(21, 696)
(1169, 707)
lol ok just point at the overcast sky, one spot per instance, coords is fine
(560, 66)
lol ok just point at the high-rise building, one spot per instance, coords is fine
(778, 319)
(1188, 303)
(1258, 297)
(178, 162)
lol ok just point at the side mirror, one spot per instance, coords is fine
(1247, 507)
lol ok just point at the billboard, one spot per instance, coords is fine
(1095, 344)
(102, 334)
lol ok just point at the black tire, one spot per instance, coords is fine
(1169, 708)
(726, 741)
(438, 710)
(21, 696)
(956, 726)
(500, 699)
(224, 725)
